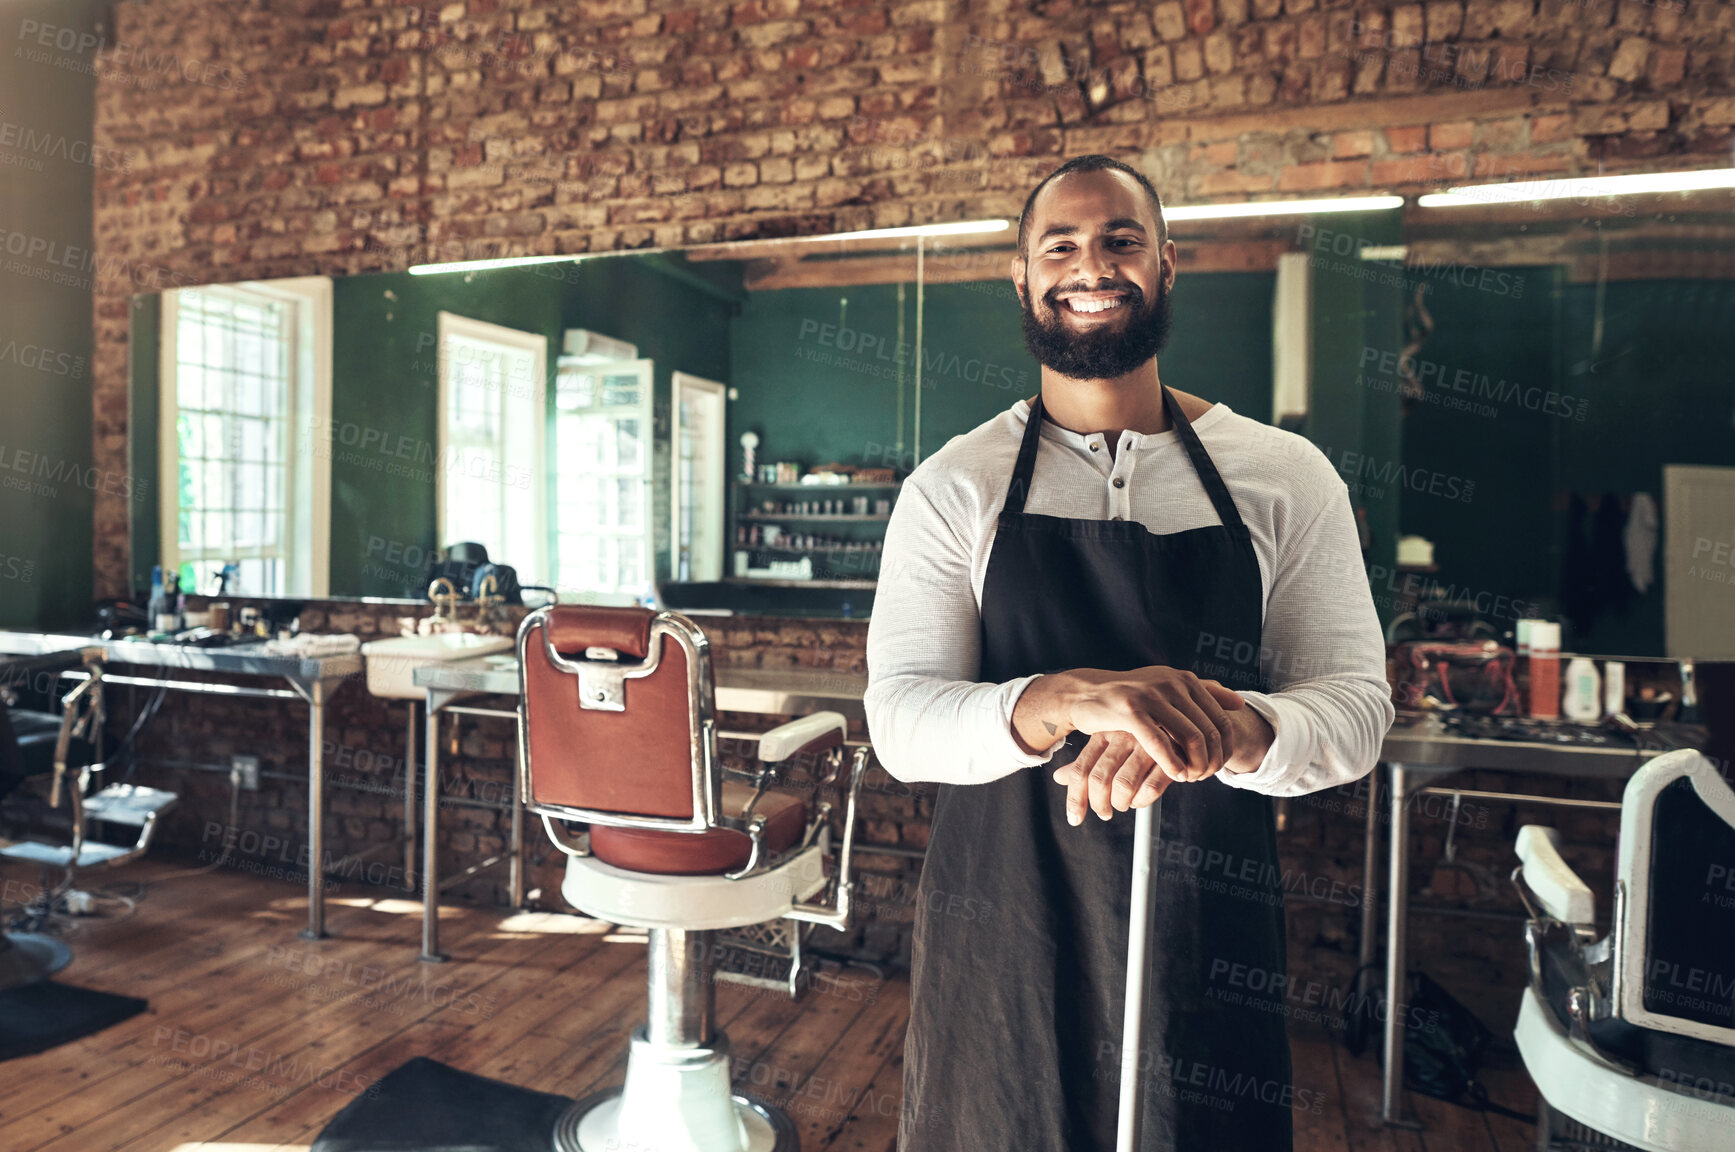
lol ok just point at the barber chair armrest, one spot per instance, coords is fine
(837, 914)
(819, 732)
(1556, 887)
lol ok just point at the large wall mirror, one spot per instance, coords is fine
(1506, 389)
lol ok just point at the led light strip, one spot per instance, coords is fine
(1281, 208)
(1572, 188)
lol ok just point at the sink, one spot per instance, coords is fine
(392, 664)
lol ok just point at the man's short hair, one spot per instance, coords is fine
(1093, 163)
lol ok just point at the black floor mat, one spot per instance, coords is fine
(45, 1014)
(427, 1106)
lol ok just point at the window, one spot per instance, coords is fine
(243, 366)
(698, 482)
(492, 405)
(603, 442)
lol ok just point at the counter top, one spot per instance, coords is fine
(237, 659)
(775, 691)
(1427, 745)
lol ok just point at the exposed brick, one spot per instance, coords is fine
(1327, 174)
(1409, 138)
(1445, 137)
(1345, 145)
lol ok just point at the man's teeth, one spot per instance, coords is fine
(1094, 305)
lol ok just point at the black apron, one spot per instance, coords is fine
(1019, 972)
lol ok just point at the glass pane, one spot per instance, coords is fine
(623, 390)
(627, 503)
(628, 447)
(216, 440)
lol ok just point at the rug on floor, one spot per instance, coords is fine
(47, 1014)
(424, 1104)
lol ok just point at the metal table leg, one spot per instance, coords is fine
(316, 693)
(1370, 900)
(431, 838)
(410, 799)
(1397, 917)
(515, 866)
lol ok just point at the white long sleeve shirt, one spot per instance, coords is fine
(1322, 652)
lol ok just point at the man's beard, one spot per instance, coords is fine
(1098, 355)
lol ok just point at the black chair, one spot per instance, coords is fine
(1630, 1038)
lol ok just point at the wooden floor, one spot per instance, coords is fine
(255, 1038)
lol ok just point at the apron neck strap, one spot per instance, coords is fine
(1021, 472)
(1208, 475)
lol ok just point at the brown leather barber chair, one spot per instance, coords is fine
(617, 732)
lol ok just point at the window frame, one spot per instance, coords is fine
(307, 409)
(645, 410)
(450, 324)
(715, 479)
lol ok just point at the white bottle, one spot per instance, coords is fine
(1614, 687)
(1583, 699)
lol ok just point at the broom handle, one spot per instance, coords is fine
(1146, 822)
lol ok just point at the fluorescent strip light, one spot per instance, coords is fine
(486, 265)
(1282, 208)
(1574, 188)
(961, 228)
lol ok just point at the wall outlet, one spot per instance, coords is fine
(248, 767)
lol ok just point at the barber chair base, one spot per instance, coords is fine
(26, 957)
(693, 903)
(674, 1100)
(1640, 1111)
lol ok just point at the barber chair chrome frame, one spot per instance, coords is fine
(677, 1096)
(1576, 1076)
(82, 715)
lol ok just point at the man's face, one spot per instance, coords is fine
(1094, 280)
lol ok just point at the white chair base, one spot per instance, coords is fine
(674, 1100)
(693, 903)
(1574, 1080)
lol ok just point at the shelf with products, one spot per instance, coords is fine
(773, 530)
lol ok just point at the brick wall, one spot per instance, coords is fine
(334, 137)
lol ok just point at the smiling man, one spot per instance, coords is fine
(1112, 589)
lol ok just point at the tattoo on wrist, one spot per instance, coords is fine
(1052, 730)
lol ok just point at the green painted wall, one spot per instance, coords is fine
(383, 434)
(48, 480)
(1490, 347)
(143, 374)
(1358, 305)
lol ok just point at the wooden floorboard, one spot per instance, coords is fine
(541, 1000)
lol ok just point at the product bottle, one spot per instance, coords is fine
(155, 607)
(1614, 687)
(1545, 670)
(1583, 701)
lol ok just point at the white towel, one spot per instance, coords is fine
(1641, 540)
